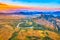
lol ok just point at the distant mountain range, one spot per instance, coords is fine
(55, 13)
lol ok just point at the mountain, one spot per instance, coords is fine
(37, 12)
(28, 12)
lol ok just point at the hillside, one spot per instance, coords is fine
(9, 30)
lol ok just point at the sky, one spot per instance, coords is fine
(38, 3)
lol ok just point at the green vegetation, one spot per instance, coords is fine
(32, 38)
(38, 38)
(46, 38)
(14, 36)
(30, 23)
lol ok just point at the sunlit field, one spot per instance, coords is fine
(28, 29)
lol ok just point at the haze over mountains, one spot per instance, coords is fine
(6, 8)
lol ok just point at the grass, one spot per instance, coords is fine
(36, 30)
(14, 36)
